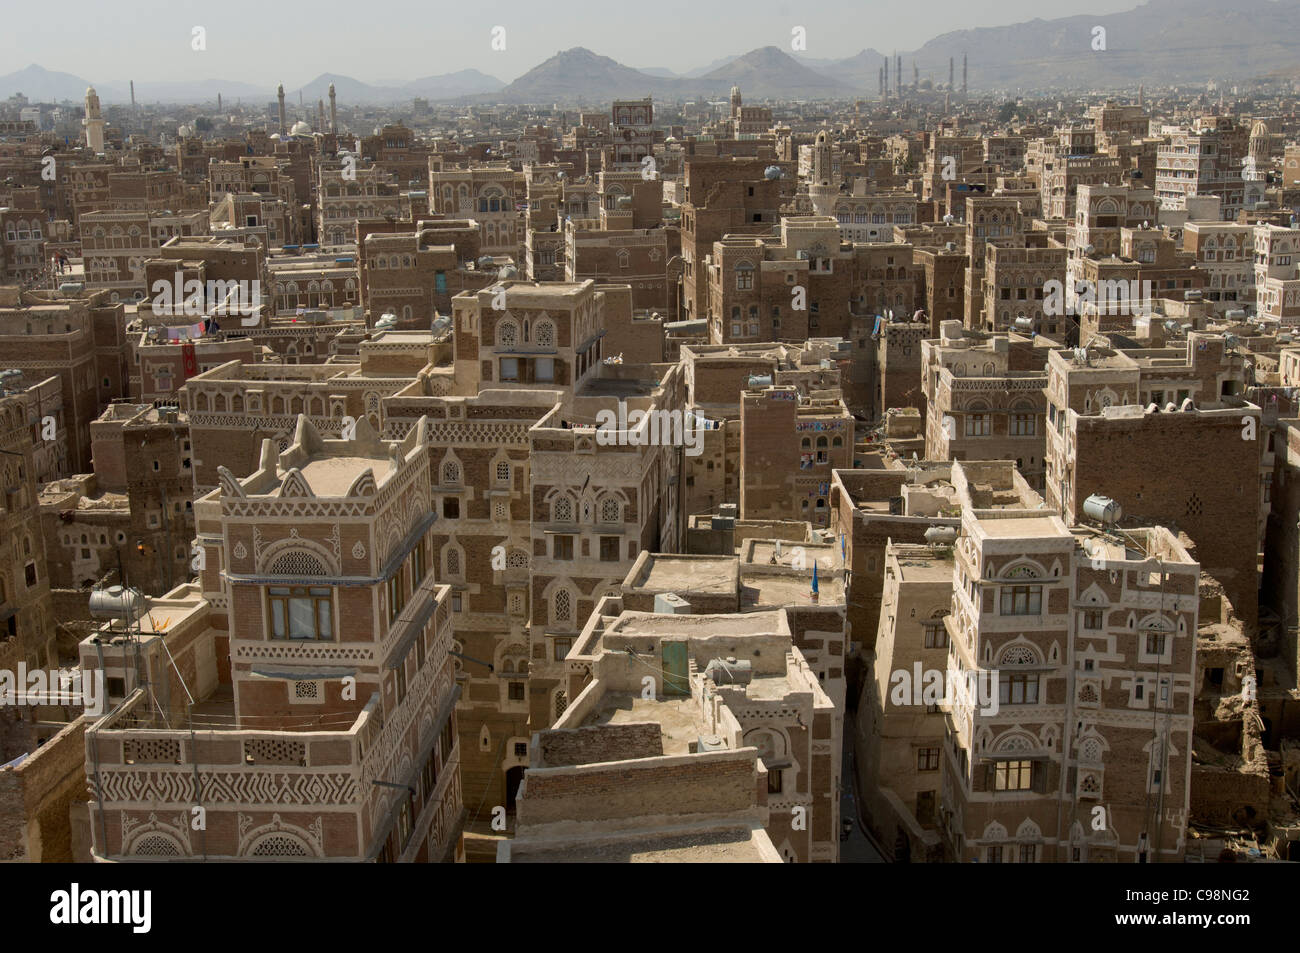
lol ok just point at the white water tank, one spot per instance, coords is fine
(1102, 509)
(941, 535)
(117, 602)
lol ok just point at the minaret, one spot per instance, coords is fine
(93, 123)
(320, 114)
(735, 102)
(886, 77)
(132, 95)
(218, 102)
(951, 64)
(822, 190)
(963, 74)
(881, 79)
(916, 76)
(279, 94)
(898, 74)
(1256, 164)
(334, 112)
(1141, 96)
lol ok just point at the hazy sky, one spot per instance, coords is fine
(268, 41)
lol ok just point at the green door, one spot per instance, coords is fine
(676, 672)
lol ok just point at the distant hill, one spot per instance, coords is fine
(46, 86)
(1159, 42)
(861, 71)
(769, 72)
(465, 82)
(579, 75)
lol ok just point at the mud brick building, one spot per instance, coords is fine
(984, 399)
(1164, 435)
(789, 445)
(235, 405)
(316, 648)
(726, 688)
(79, 338)
(1089, 641)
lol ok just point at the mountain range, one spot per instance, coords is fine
(1160, 42)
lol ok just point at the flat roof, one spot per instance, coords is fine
(915, 567)
(1015, 527)
(678, 718)
(670, 574)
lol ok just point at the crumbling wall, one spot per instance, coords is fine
(723, 782)
(36, 795)
(596, 743)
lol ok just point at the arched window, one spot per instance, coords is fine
(451, 472)
(610, 511)
(156, 845)
(298, 563)
(562, 605)
(280, 845)
(562, 510)
(544, 334)
(1018, 655)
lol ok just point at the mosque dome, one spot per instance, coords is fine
(300, 128)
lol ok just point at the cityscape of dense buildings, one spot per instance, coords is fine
(906, 475)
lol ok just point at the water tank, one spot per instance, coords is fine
(1025, 323)
(117, 602)
(670, 603)
(759, 380)
(1102, 509)
(729, 671)
(941, 535)
(772, 172)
